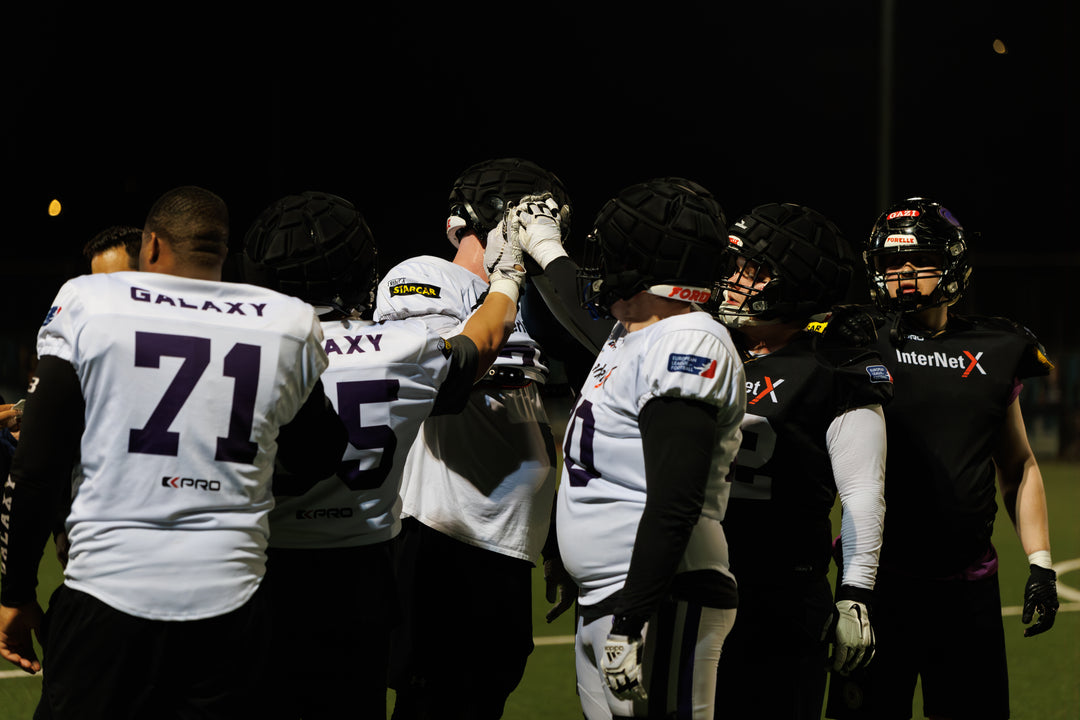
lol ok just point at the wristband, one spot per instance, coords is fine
(1041, 558)
(507, 287)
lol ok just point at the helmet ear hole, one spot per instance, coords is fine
(314, 246)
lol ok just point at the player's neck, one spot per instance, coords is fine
(645, 309)
(470, 255)
(765, 339)
(932, 319)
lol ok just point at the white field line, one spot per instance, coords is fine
(1064, 592)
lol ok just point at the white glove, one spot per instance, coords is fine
(503, 262)
(853, 646)
(535, 220)
(622, 667)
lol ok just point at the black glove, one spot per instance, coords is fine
(1040, 595)
(852, 325)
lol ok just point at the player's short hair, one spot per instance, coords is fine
(128, 236)
(194, 221)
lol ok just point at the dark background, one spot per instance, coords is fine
(843, 106)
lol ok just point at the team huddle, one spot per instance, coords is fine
(233, 466)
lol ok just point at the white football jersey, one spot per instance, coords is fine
(383, 380)
(186, 384)
(486, 476)
(447, 295)
(602, 492)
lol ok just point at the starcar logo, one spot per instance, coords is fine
(692, 365)
(181, 483)
(401, 286)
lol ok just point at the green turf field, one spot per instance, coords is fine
(1043, 671)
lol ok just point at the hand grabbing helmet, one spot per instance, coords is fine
(481, 195)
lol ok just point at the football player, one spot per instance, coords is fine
(954, 424)
(813, 428)
(384, 379)
(114, 249)
(478, 487)
(646, 453)
(171, 393)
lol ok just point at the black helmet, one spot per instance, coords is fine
(927, 234)
(314, 246)
(665, 236)
(480, 197)
(809, 262)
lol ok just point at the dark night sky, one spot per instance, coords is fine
(760, 102)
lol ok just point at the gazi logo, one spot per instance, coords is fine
(760, 392)
(180, 483)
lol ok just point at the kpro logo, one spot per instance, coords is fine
(180, 483)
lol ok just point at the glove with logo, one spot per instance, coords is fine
(852, 325)
(853, 640)
(1040, 595)
(536, 221)
(622, 666)
(503, 262)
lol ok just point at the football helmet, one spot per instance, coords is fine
(923, 232)
(314, 246)
(664, 236)
(784, 263)
(481, 195)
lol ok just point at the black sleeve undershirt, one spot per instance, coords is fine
(311, 445)
(461, 377)
(678, 436)
(558, 286)
(49, 440)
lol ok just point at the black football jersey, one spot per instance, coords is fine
(783, 490)
(952, 393)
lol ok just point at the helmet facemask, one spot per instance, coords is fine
(913, 243)
(745, 292)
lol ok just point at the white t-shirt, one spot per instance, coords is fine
(485, 477)
(602, 493)
(186, 384)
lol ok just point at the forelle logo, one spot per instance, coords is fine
(182, 483)
(968, 362)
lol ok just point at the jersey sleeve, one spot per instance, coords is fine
(860, 379)
(60, 327)
(1033, 361)
(422, 287)
(694, 365)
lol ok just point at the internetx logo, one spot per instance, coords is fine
(967, 360)
(769, 389)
